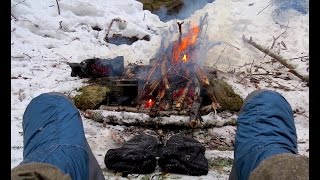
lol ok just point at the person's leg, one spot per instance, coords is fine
(265, 127)
(53, 134)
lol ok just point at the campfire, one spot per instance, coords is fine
(174, 83)
(175, 80)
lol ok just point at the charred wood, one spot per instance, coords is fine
(183, 95)
(164, 74)
(195, 118)
(201, 74)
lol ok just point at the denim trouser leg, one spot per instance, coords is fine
(265, 128)
(53, 134)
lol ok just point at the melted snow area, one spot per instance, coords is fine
(42, 42)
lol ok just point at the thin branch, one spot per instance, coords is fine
(18, 3)
(27, 55)
(276, 57)
(301, 57)
(251, 67)
(220, 55)
(13, 17)
(58, 7)
(264, 9)
(232, 45)
(275, 39)
(64, 29)
(180, 30)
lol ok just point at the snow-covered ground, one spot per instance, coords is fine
(42, 42)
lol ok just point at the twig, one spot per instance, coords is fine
(109, 28)
(18, 3)
(27, 55)
(264, 9)
(14, 17)
(276, 57)
(164, 72)
(220, 55)
(301, 57)
(60, 24)
(251, 67)
(275, 39)
(58, 7)
(180, 28)
(232, 45)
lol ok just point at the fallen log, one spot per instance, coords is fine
(277, 57)
(146, 111)
(142, 119)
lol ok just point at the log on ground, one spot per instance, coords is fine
(143, 119)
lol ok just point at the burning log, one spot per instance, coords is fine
(154, 85)
(211, 93)
(147, 80)
(183, 95)
(201, 74)
(164, 73)
(195, 118)
(161, 94)
(184, 92)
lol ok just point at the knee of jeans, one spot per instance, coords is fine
(71, 159)
(59, 95)
(269, 97)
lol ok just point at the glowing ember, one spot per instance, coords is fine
(185, 42)
(149, 104)
(184, 59)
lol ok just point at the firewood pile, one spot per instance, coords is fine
(176, 80)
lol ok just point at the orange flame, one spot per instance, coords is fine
(184, 59)
(185, 42)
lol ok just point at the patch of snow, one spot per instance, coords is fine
(43, 42)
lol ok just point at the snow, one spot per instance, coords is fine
(43, 42)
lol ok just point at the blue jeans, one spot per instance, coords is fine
(53, 134)
(265, 127)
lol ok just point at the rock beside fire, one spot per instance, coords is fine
(91, 97)
(225, 95)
